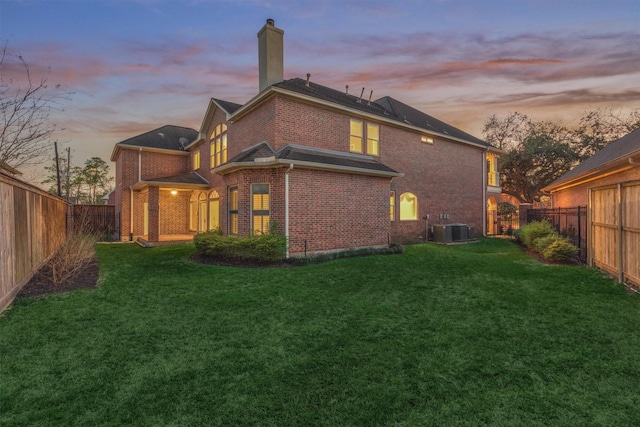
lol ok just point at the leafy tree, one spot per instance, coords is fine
(95, 176)
(85, 184)
(25, 108)
(539, 152)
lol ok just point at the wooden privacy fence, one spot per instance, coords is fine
(32, 227)
(100, 220)
(614, 240)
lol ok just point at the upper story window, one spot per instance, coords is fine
(493, 176)
(358, 136)
(218, 145)
(196, 160)
(426, 139)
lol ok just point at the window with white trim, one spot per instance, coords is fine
(260, 208)
(218, 145)
(364, 142)
(233, 210)
(408, 207)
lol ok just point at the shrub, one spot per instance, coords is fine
(320, 258)
(259, 247)
(534, 230)
(72, 256)
(542, 243)
(560, 250)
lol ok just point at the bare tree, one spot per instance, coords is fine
(25, 108)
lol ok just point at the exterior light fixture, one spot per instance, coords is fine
(174, 191)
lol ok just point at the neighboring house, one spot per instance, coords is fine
(329, 169)
(10, 170)
(608, 183)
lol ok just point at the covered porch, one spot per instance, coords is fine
(161, 209)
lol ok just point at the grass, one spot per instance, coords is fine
(479, 334)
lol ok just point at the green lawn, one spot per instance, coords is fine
(477, 334)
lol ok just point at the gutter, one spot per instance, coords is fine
(274, 163)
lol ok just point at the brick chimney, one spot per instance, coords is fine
(270, 55)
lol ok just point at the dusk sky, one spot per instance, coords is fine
(135, 65)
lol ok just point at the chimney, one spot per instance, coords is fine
(270, 55)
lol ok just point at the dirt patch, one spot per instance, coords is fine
(42, 282)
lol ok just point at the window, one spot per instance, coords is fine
(408, 207)
(357, 137)
(426, 139)
(392, 205)
(218, 145)
(196, 160)
(493, 177)
(260, 208)
(355, 140)
(233, 210)
(373, 139)
(214, 210)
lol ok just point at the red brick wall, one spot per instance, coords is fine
(579, 195)
(154, 165)
(332, 211)
(447, 176)
(174, 212)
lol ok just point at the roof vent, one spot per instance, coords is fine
(359, 101)
(370, 95)
(346, 90)
(183, 141)
(308, 77)
(161, 134)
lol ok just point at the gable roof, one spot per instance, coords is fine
(167, 137)
(262, 155)
(616, 153)
(228, 107)
(386, 107)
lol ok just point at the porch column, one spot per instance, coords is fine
(154, 211)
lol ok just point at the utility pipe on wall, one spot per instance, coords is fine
(286, 206)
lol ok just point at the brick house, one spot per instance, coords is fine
(329, 169)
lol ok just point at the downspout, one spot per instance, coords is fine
(131, 214)
(286, 206)
(484, 192)
(131, 195)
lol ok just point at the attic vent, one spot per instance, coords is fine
(161, 134)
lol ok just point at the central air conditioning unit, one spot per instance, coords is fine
(459, 232)
(442, 233)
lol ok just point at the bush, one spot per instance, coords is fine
(560, 250)
(258, 247)
(72, 256)
(542, 243)
(532, 231)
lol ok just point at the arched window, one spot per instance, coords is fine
(408, 207)
(214, 210)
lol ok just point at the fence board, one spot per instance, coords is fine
(615, 228)
(32, 227)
